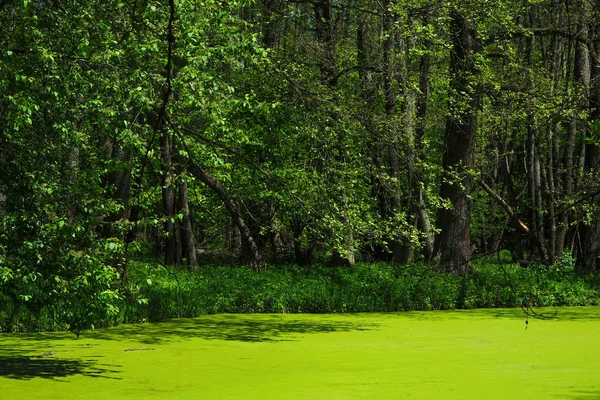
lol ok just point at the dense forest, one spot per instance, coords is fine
(257, 131)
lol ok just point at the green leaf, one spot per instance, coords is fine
(180, 61)
(557, 119)
(596, 128)
(141, 6)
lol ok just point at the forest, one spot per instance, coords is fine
(310, 135)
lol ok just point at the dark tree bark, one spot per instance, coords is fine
(168, 199)
(454, 241)
(589, 256)
(157, 120)
(234, 239)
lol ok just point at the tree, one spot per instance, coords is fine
(589, 258)
(454, 241)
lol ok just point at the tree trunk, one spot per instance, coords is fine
(581, 78)
(552, 147)
(589, 257)
(168, 198)
(188, 245)
(536, 216)
(346, 257)
(421, 122)
(303, 253)
(270, 28)
(232, 209)
(454, 241)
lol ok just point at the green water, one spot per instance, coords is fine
(477, 354)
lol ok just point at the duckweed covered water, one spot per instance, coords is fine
(475, 354)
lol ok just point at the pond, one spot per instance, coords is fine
(472, 354)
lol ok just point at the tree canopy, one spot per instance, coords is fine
(261, 130)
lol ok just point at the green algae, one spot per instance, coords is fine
(474, 354)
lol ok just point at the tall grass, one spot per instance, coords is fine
(378, 287)
(153, 292)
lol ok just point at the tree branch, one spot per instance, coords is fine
(505, 206)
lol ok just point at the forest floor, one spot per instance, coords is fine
(470, 354)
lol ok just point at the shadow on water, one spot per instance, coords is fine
(17, 360)
(232, 327)
(25, 368)
(581, 395)
(551, 313)
(242, 328)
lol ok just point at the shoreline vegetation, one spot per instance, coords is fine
(154, 292)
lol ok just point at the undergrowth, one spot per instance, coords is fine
(375, 287)
(154, 292)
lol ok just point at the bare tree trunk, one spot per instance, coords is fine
(157, 121)
(400, 247)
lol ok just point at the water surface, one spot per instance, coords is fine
(475, 354)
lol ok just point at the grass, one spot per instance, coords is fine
(153, 292)
(467, 354)
(379, 287)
